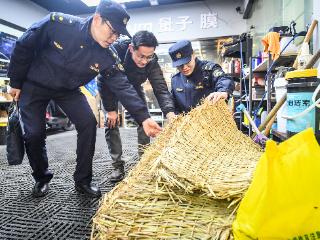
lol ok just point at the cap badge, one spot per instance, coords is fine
(125, 21)
(178, 55)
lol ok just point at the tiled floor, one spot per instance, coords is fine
(63, 213)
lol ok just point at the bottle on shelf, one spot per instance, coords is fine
(237, 66)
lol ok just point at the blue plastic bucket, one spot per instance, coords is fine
(299, 98)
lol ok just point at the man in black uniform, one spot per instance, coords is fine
(51, 60)
(140, 63)
(196, 79)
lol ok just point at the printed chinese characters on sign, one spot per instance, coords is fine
(179, 23)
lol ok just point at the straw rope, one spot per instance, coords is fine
(142, 210)
(181, 187)
(208, 153)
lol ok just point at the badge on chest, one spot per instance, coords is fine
(179, 89)
(57, 45)
(95, 67)
(199, 86)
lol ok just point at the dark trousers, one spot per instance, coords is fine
(114, 140)
(114, 143)
(33, 102)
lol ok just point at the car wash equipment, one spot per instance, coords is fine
(303, 98)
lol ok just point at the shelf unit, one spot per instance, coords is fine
(5, 100)
(262, 69)
(235, 51)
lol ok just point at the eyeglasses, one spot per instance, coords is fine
(142, 57)
(113, 32)
(188, 64)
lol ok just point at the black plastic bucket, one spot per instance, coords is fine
(299, 98)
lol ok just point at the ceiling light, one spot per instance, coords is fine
(154, 2)
(92, 3)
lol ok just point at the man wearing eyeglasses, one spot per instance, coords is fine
(51, 60)
(140, 63)
(196, 79)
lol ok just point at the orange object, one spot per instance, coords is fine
(271, 43)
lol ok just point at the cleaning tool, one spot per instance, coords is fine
(259, 138)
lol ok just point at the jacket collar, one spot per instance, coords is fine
(196, 72)
(85, 26)
(129, 63)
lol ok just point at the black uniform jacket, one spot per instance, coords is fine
(137, 76)
(59, 53)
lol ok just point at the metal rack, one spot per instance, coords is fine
(267, 68)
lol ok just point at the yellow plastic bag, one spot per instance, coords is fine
(283, 200)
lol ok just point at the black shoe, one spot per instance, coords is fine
(40, 189)
(89, 190)
(117, 175)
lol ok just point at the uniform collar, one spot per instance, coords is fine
(86, 33)
(197, 70)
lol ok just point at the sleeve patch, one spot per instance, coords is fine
(217, 72)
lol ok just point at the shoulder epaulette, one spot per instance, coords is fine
(63, 18)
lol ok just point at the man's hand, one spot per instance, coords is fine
(112, 119)
(15, 93)
(216, 96)
(170, 116)
(151, 128)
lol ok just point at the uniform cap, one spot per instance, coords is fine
(115, 14)
(181, 53)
